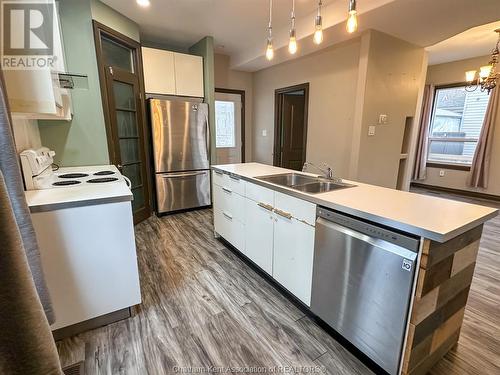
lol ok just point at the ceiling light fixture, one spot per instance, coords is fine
(488, 76)
(318, 25)
(143, 3)
(269, 49)
(352, 18)
(292, 44)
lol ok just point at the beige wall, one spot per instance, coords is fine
(232, 79)
(452, 73)
(392, 86)
(332, 75)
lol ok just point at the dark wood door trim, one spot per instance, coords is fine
(112, 138)
(278, 103)
(243, 109)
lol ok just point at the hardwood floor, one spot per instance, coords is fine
(478, 349)
(202, 306)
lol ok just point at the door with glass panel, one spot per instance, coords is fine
(229, 126)
(121, 87)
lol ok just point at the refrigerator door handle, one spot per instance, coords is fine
(181, 175)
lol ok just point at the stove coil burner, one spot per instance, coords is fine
(103, 173)
(66, 183)
(73, 175)
(101, 180)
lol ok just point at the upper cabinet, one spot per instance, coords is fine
(172, 73)
(188, 75)
(36, 94)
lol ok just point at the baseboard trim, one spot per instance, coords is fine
(87, 325)
(467, 193)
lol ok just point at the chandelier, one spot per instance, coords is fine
(488, 76)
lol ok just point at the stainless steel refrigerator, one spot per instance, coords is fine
(180, 136)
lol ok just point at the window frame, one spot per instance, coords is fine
(444, 165)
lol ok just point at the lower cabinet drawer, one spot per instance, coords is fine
(229, 202)
(231, 229)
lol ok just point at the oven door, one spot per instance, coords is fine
(182, 190)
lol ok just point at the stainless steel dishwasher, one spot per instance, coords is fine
(362, 282)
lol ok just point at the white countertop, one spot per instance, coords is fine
(430, 217)
(79, 195)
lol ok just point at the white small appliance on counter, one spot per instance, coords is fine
(83, 222)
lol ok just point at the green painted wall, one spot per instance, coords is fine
(83, 141)
(205, 48)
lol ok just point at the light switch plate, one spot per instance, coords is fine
(371, 130)
(264, 133)
(383, 119)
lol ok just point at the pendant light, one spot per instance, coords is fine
(352, 19)
(292, 44)
(318, 24)
(269, 49)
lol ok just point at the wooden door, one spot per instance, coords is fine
(122, 89)
(127, 132)
(291, 127)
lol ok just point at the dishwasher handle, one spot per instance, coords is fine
(379, 243)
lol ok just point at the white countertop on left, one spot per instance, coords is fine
(79, 195)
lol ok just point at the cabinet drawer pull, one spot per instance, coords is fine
(283, 213)
(230, 217)
(220, 173)
(229, 191)
(265, 206)
(233, 177)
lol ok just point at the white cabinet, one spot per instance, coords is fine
(159, 71)
(293, 256)
(188, 75)
(36, 94)
(276, 231)
(172, 73)
(259, 231)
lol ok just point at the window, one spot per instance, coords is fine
(225, 127)
(456, 122)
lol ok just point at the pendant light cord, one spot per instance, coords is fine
(270, 25)
(293, 15)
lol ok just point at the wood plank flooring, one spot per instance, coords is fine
(202, 306)
(478, 349)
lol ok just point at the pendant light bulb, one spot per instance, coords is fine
(269, 50)
(352, 18)
(318, 25)
(292, 43)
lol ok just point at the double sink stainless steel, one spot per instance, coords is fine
(305, 183)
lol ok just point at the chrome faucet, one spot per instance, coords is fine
(326, 170)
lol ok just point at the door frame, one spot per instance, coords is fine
(99, 30)
(242, 95)
(278, 95)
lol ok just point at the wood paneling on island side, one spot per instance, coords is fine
(443, 284)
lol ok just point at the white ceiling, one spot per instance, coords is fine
(239, 27)
(478, 41)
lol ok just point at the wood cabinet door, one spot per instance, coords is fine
(259, 234)
(159, 71)
(188, 75)
(293, 256)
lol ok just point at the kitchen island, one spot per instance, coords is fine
(274, 226)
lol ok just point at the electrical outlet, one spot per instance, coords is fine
(371, 130)
(382, 119)
(441, 173)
